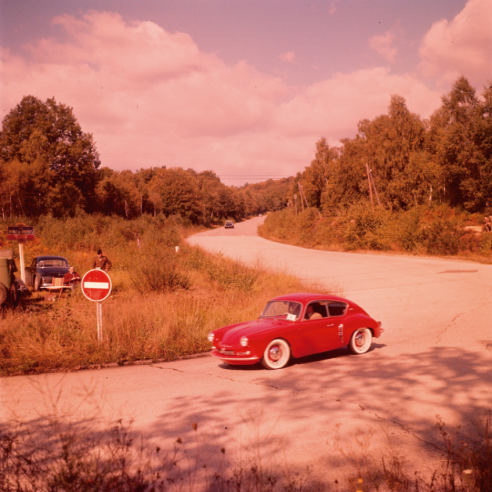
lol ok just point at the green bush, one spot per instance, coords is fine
(436, 230)
(157, 270)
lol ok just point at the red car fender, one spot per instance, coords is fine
(355, 322)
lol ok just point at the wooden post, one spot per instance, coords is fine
(369, 182)
(22, 263)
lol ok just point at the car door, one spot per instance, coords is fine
(337, 312)
(320, 334)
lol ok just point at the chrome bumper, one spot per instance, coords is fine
(218, 356)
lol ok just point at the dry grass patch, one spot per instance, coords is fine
(166, 322)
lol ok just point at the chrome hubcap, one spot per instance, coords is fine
(275, 353)
(360, 339)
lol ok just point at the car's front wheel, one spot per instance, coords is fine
(37, 282)
(276, 355)
(361, 341)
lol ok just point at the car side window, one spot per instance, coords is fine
(318, 311)
(337, 308)
(34, 263)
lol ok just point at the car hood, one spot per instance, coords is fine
(250, 329)
(51, 271)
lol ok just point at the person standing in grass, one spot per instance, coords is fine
(102, 262)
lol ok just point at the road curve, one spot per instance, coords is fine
(434, 358)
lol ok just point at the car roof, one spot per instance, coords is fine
(309, 296)
(39, 258)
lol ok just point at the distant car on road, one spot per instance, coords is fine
(229, 224)
(43, 269)
(296, 325)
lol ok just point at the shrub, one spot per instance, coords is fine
(157, 270)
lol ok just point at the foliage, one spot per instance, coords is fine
(447, 160)
(47, 163)
(435, 230)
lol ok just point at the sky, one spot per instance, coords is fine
(244, 88)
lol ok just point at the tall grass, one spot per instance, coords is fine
(163, 302)
(437, 230)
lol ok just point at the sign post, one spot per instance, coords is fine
(96, 286)
(21, 233)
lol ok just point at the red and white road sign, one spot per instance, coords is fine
(96, 285)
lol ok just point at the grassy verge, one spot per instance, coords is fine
(162, 306)
(77, 457)
(435, 230)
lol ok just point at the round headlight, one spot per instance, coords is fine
(210, 337)
(244, 341)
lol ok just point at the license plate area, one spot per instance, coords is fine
(228, 352)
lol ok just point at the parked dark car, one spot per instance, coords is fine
(43, 269)
(229, 224)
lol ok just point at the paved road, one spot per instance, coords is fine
(434, 358)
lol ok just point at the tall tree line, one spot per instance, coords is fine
(49, 165)
(446, 159)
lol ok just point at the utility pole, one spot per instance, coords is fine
(303, 195)
(374, 186)
(370, 184)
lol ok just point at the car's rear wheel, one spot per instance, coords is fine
(361, 341)
(276, 355)
(37, 282)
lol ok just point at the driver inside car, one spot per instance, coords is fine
(311, 313)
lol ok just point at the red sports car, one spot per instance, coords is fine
(296, 325)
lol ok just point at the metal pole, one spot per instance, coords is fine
(99, 321)
(374, 186)
(369, 182)
(21, 258)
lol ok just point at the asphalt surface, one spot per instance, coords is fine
(434, 358)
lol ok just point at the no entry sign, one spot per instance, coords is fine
(96, 285)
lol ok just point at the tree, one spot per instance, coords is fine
(49, 131)
(174, 192)
(458, 141)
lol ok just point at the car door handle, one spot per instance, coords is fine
(330, 325)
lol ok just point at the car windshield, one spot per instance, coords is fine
(282, 309)
(52, 263)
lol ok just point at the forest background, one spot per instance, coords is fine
(419, 175)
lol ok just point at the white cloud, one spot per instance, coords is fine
(462, 46)
(383, 45)
(152, 98)
(334, 107)
(288, 57)
(333, 7)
